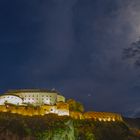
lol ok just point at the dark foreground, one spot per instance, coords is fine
(53, 127)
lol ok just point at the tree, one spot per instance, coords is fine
(75, 106)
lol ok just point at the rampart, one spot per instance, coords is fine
(61, 109)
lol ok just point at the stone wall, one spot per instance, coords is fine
(102, 116)
(97, 116)
(61, 109)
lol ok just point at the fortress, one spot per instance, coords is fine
(30, 102)
(33, 102)
(34, 97)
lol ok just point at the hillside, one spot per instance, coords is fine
(53, 127)
(133, 122)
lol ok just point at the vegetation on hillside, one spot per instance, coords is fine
(75, 106)
(53, 127)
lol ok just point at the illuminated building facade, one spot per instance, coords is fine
(48, 101)
(12, 99)
(34, 97)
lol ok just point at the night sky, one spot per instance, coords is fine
(74, 46)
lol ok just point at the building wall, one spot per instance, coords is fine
(49, 109)
(102, 116)
(40, 98)
(60, 98)
(11, 99)
(61, 110)
(31, 111)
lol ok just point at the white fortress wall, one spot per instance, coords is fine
(11, 99)
(38, 97)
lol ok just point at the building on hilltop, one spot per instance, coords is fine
(47, 101)
(34, 97)
(30, 102)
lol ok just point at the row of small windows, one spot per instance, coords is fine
(36, 99)
(10, 97)
(28, 98)
(37, 96)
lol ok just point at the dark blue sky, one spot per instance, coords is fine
(74, 46)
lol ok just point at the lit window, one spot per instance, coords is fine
(113, 119)
(100, 119)
(109, 119)
(104, 120)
